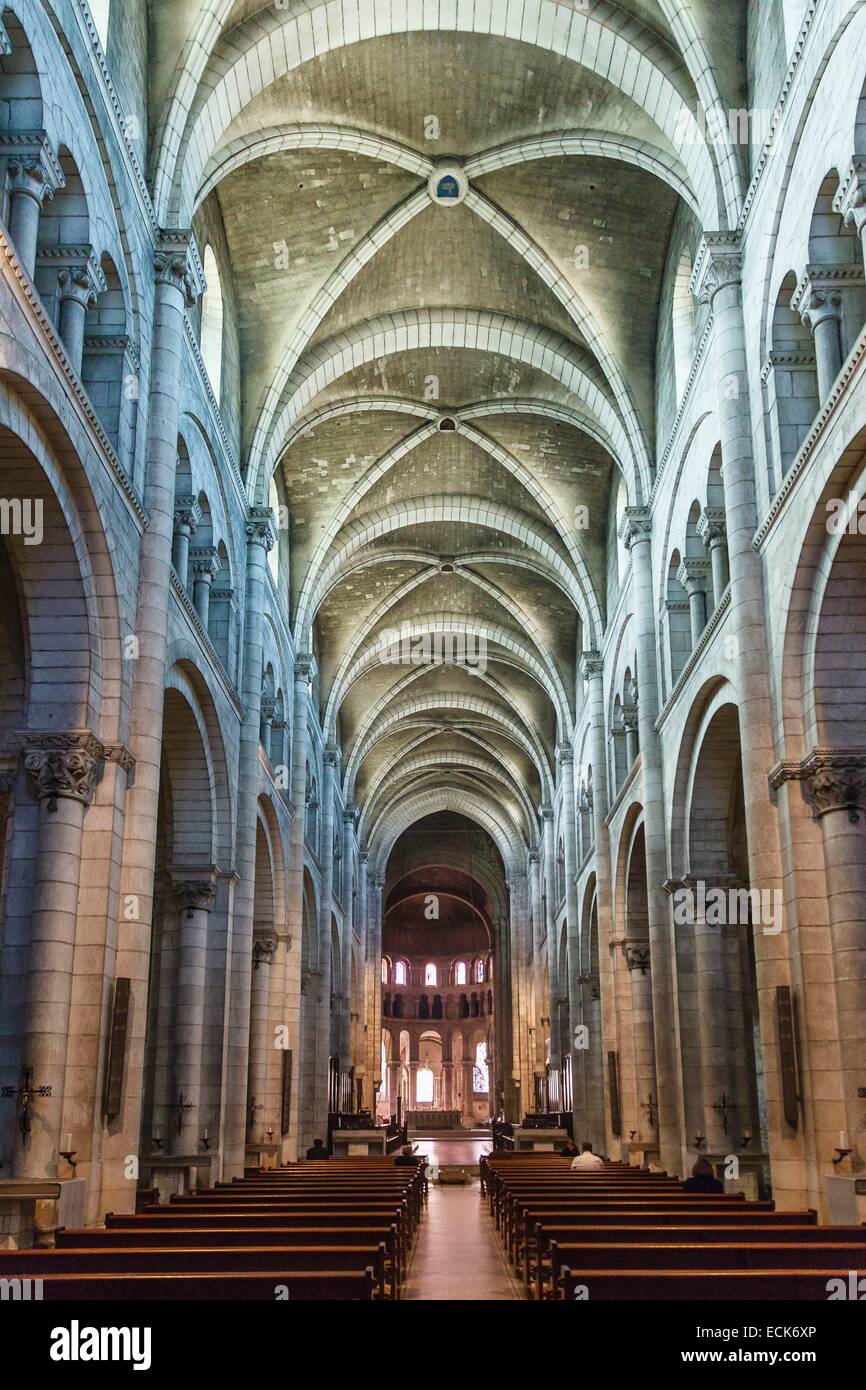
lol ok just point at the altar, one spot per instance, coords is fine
(434, 1119)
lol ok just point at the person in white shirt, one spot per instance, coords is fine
(586, 1160)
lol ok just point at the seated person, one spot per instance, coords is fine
(703, 1178)
(318, 1150)
(569, 1149)
(586, 1160)
(406, 1157)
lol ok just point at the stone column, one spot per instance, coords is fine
(692, 574)
(205, 564)
(64, 768)
(571, 987)
(550, 926)
(187, 517)
(819, 302)
(836, 784)
(630, 724)
(195, 891)
(539, 1008)
(716, 280)
(638, 961)
(77, 288)
(711, 990)
(603, 1140)
(636, 530)
(33, 175)
(393, 1086)
(711, 529)
(260, 1074)
(260, 538)
(178, 284)
(268, 707)
(323, 1050)
(349, 813)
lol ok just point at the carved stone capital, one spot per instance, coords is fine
(331, 756)
(818, 295)
(635, 526)
(187, 513)
(564, 754)
(637, 955)
(719, 263)
(693, 573)
(629, 717)
(260, 527)
(80, 280)
(194, 887)
(204, 561)
(177, 263)
(264, 948)
(712, 526)
(63, 765)
(591, 664)
(546, 811)
(34, 167)
(850, 200)
(303, 666)
(835, 782)
(268, 709)
(586, 799)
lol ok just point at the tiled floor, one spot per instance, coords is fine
(458, 1258)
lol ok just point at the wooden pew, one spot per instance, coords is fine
(316, 1285)
(789, 1285)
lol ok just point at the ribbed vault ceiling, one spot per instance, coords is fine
(527, 316)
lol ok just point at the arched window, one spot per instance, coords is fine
(460, 973)
(400, 973)
(424, 1086)
(430, 975)
(384, 971)
(99, 11)
(212, 322)
(480, 1072)
(479, 971)
(683, 318)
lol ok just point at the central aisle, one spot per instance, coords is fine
(458, 1257)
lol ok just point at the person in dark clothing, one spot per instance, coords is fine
(406, 1158)
(703, 1178)
(569, 1149)
(318, 1150)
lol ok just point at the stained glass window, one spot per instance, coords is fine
(479, 971)
(399, 973)
(430, 975)
(480, 1072)
(460, 973)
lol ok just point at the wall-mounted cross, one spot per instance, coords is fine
(181, 1106)
(25, 1094)
(722, 1106)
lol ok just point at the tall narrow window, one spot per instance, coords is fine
(384, 972)
(430, 975)
(683, 322)
(99, 10)
(424, 1086)
(479, 971)
(480, 1072)
(460, 973)
(399, 973)
(212, 323)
